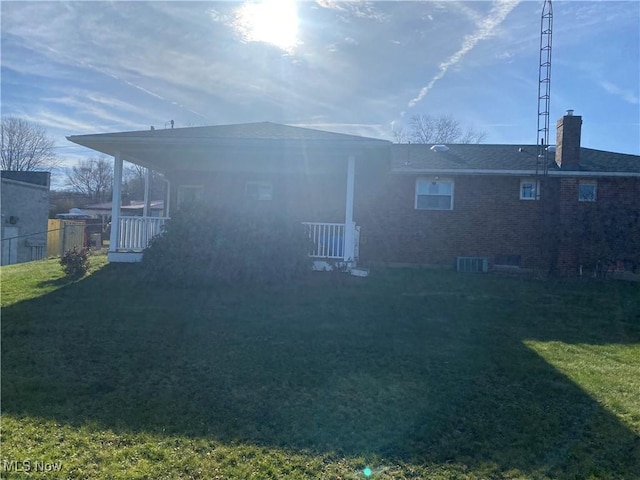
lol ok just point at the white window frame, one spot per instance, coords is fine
(197, 196)
(264, 193)
(433, 180)
(587, 183)
(536, 188)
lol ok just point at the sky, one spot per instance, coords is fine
(356, 67)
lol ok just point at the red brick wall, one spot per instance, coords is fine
(319, 197)
(604, 230)
(487, 219)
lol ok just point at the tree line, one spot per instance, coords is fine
(27, 147)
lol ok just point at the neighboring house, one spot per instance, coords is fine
(127, 208)
(475, 206)
(25, 209)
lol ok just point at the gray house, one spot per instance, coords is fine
(25, 210)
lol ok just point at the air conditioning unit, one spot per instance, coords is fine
(472, 264)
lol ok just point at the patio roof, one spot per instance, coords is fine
(199, 147)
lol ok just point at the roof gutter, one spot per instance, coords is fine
(520, 173)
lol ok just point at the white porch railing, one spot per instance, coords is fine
(329, 240)
(135, 233)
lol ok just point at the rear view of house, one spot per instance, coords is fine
(478, 206)
(366, 200)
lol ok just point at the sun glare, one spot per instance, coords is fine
(270, 21)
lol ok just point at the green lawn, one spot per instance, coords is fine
(413, 373)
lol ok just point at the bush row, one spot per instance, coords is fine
(209, 245)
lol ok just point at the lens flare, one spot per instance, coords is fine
(269, 21)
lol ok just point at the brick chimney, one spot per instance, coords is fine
(568, 141)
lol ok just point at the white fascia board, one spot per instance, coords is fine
(528, 173)
(460, 171)
(126, 141)
(593, 174)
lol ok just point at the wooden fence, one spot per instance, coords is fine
(63, 235)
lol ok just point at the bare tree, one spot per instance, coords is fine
(25, 146)
(92, 177)
(135, 180)
(433, 130)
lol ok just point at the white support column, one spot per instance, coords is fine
(167, 201)
(349, 225)
(145, 209)
(116, 200)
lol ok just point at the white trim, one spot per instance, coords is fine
(595, 174)
(116, 201)
(349, 225)
(520, 173)
(536, 191)
(434, 179)
(98, 141)
(124, 257)
(594, 184)
(145, 208)
(168, 201)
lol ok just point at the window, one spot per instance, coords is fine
(189, 194)
(259, 190)
(434, 194)
(529, 189)
(587, 190)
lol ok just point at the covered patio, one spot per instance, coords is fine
(200, 163)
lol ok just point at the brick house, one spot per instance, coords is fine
(371, 201)
(490, 202)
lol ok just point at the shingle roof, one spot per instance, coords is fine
(501, 158)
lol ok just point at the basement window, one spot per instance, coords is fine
(434, 194)
(587, 190)
(529, 189)
(260, 191)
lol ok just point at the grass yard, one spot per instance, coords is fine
(412, 373)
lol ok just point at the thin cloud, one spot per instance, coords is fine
(355, 9)
(485, 29)
(626, 95)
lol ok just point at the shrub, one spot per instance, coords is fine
(214, 246)
(75, 262)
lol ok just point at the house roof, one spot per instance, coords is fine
(197, 147)
(242, 131)
(35, 178)
(504, 159)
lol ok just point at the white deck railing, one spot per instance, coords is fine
(136, 232)
(327, 238)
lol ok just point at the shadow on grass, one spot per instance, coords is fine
(406, 365)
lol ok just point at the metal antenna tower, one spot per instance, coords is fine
(544, 87)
